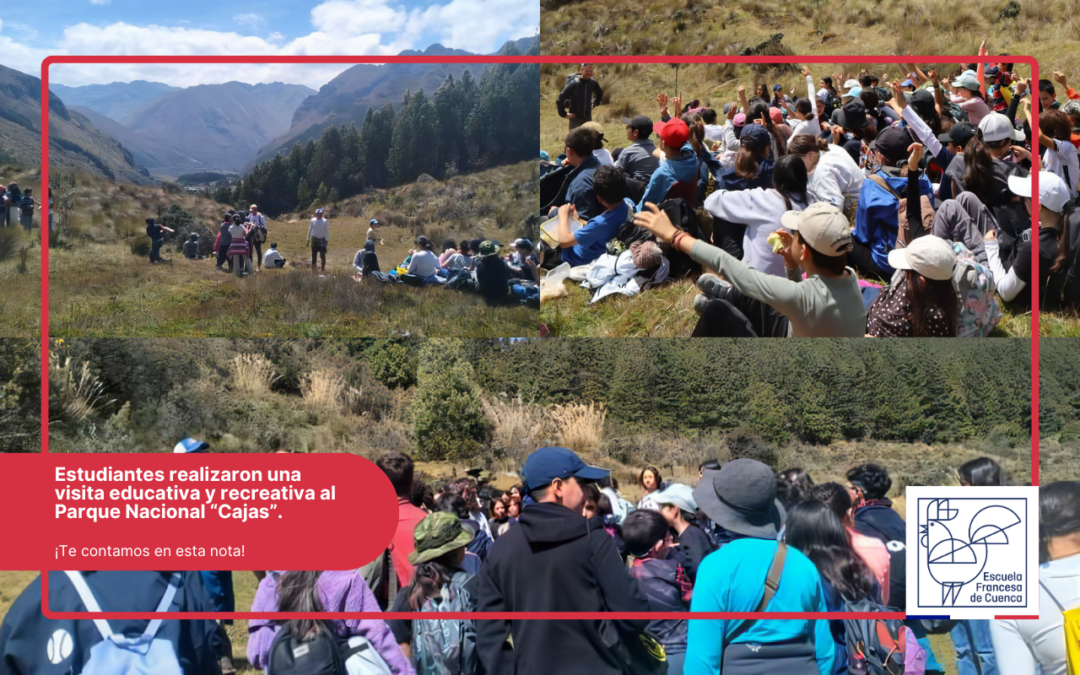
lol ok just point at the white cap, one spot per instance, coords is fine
(1053, 193)
(852, 84)
(318, 211)
(928, 255)
(967, 81)
(822, 226)
(997, 127)
(253, 206)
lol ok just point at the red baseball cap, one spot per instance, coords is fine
(673, 133)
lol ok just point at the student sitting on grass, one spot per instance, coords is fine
(827, 303)
(877, 217)
(590, 242)
(665, 583)
(678, 172)
(1014, 284)
(365, 260)
(191, 247)
(272, 259)
(492, 276)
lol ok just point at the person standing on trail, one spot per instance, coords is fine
(580, 95)
(256, 233)
(222, 243)
(318, 235)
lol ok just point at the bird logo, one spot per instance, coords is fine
(954, 562)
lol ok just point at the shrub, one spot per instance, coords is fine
(393, 362)
(9, 242)
(447, 414)
(253, 374)
(745, 443)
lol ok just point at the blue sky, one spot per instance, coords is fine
(365, 27)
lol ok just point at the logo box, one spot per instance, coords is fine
(972, 552)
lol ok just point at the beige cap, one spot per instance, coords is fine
(253, 206)
(594, 127)
(928, 255)
(822, 226)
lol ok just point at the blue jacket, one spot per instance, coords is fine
(733, 580)
(681, 170)
(25, 634)
(877, 218)
(580, 192)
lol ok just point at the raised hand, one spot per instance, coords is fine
(1060, 79)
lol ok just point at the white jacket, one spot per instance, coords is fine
(835, 178)
(1022, 647)
(760, 210)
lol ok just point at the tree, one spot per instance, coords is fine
(447, 413)
(303, 195)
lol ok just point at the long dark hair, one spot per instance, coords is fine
(429, 578)
(1059, 513)
(981, 471)
(804, 144)
(298, 591)
(748, 160)
(697, 132)
(815, 530)
(926, 295)
(829, 85)
(790, 180)
(978, 175)
(805, 107)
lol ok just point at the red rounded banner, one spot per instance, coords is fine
(194, 511)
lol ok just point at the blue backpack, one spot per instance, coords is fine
(131, 655)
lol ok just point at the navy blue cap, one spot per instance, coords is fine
(754, 135)
(777, 87)
(546, 464)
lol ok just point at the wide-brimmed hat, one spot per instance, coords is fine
(488, 248)
(677, 494)
(438, 534)
(741, 498)
(596, 128)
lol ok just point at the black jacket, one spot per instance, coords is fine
(659, 580)
(554, 561)
(579, 97)
(491, 278)
(25, 634)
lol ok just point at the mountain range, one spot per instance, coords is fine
(137, 131)
(74, 141)
(348, 96)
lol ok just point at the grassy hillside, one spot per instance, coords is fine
(99, 286)
(20, 267)
(74, 142)
(631, 89)
(1049, 30)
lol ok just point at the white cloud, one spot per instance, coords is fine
(340, 27)
(251, 20)
(100, 2)
(358, 16)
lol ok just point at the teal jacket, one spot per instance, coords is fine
(732, 579)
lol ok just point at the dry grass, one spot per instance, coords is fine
(1046, 29)
(74, 388)
(580, 425)
(20, 268)
(517, 427)
(253, 374)
(326, 391)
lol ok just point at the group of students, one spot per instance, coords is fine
(17, 207)
(935, 175)
(565, 540)
(471, 264)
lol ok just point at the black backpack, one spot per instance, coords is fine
(553, 188)
(323, 654)
(151, 230)
(684, 218)
(320, 655)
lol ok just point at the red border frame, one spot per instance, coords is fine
(49, 61)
